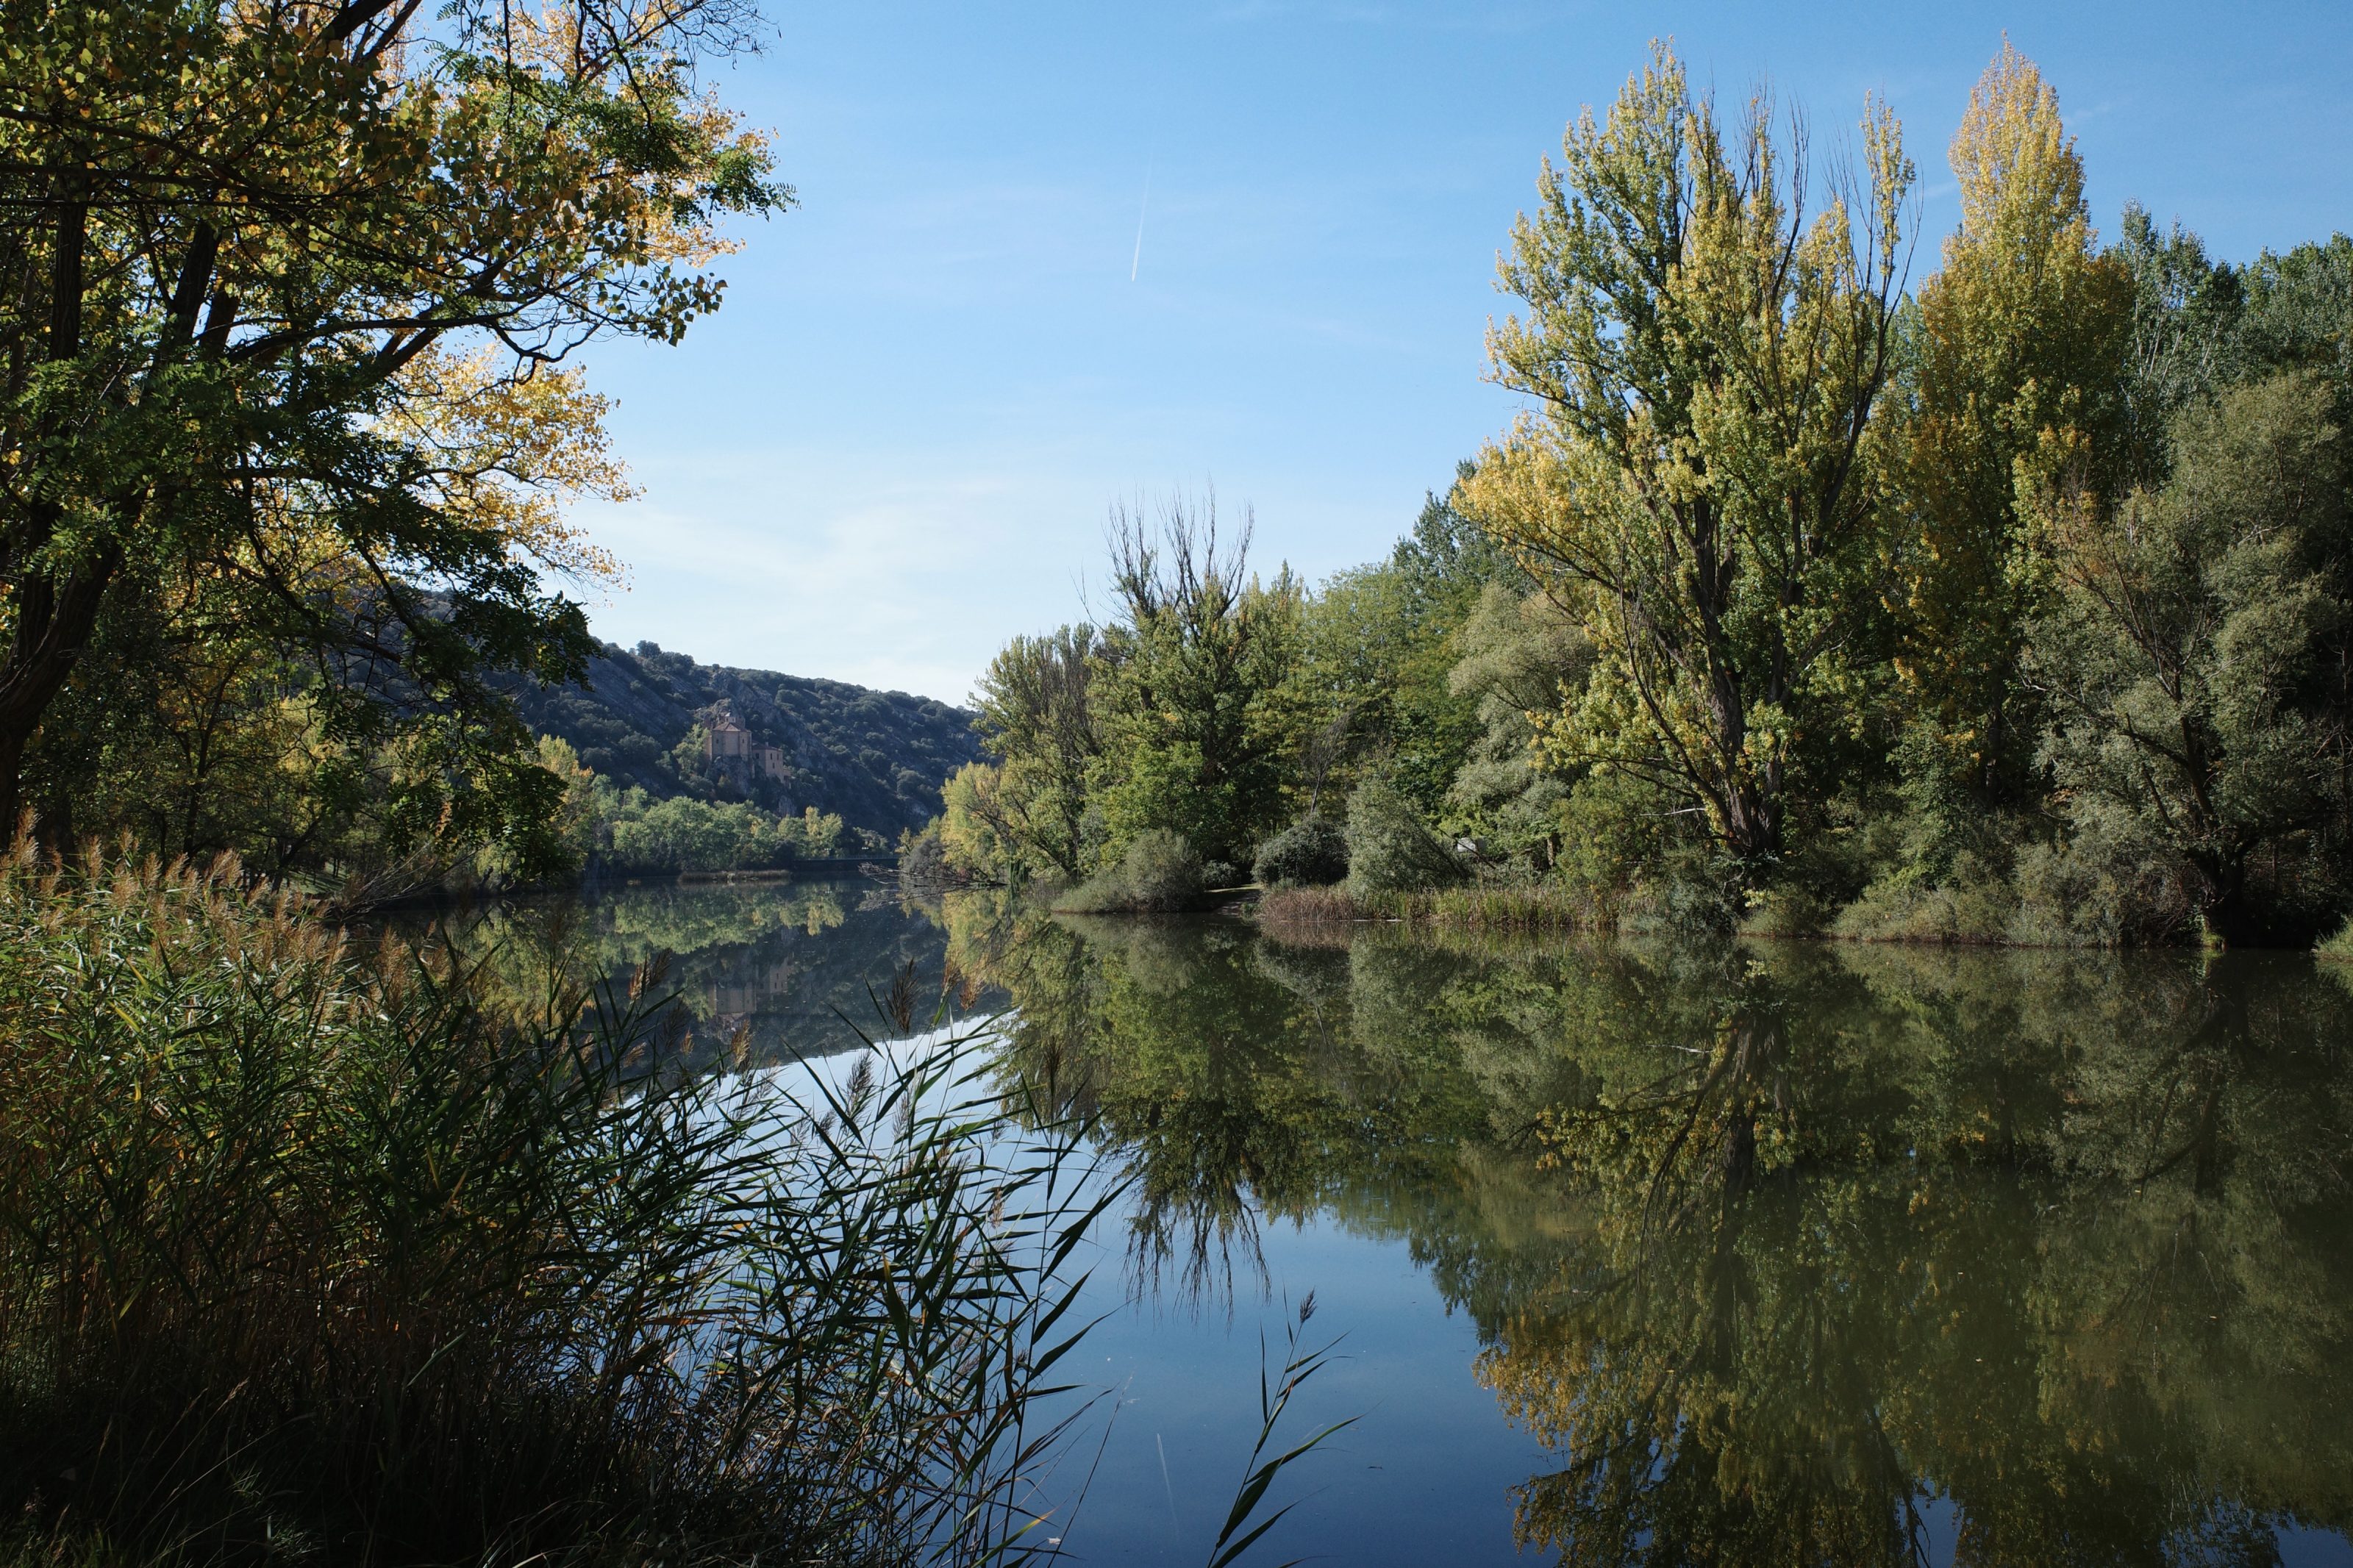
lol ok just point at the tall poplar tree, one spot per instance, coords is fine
(2016, 371)
(1697, 485)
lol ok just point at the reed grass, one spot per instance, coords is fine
(1500, 906)
(1247, 1518)
(307, 1255)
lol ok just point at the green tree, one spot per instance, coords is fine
(1036, 713)
(682, 835)
(981, 833)
(1520, 658)
(1193, 683)
(2016, 362)
(290, 295)
(2196, 661)
(1697, 481)
(2185, 330)
(1376, 647)
(816, 834)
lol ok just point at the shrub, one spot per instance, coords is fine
(1306, 906)
(1610, 839)
(1313, 852)
(360, 1259)
(2338, 949)
(1971, 903)
(923, 860)
(1390, 850)
(1790, 910)
(2098, 891)
(1158, 873)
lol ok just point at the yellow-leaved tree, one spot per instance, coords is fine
(2016, 374)
(287, 403)
(1696, 485)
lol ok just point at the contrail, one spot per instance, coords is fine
(1140, 211)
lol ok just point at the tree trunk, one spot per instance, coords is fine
(53, 626)
(11, 768)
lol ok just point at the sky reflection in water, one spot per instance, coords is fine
(1656, 1252)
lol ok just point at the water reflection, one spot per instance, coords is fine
(786, 967)
(1791, 1254)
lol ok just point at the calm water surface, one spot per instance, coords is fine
(1656, 1252)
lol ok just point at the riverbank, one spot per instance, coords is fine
(1542, 907)
(410, 1256)
(1474, 908)
(797, 871)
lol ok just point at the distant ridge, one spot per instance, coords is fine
(875, 758)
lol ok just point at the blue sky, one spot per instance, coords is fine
(895, 446)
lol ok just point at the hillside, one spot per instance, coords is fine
(874, 758)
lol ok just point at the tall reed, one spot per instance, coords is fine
(1475, 906)
(304, 1257)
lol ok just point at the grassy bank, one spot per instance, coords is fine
(1500, 906)
(1934, 918)
(306, 1254)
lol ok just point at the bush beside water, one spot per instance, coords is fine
(306, 1255)
(1481, 906)
(1158, 873)
(1390, 850)
(2338, 948)
(1311, 853)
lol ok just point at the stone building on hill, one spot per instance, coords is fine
(726, 740)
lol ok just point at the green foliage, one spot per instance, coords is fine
(2338, 947)
(2015, 366)
(1390, 850)
(1697, 484)
(1968, 905)
(389, 1261)
(2018, 611)
(924, 861)
(1157, 873)
(2193, 662)
(875, 759)
(634, 832)
(1037, 712)
(2096, 518)
(1372, 687)
(1190, 687)
(1313, 852)
(1175, 720)
(287, 431)
(1520, 657)
(687, 758)
(979, 831)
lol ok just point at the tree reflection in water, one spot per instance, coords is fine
(1782, 1251)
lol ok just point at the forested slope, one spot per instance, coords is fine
(873, 758)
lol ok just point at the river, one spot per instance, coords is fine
(1645, 1250)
